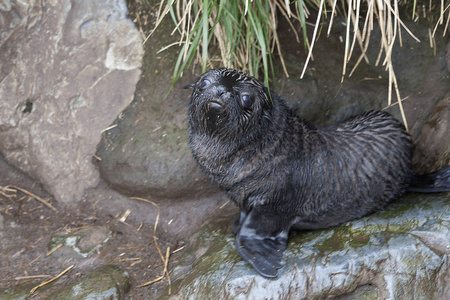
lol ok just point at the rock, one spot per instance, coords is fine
(366, 292)
(322, 99)
(147, 153)
(15, 293)
(401, 251)
(2, 224)
(105, 283)
(80, 243)
(433, 144)
(67, 70)
(447, 57)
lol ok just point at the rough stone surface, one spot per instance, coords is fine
(448, 56)
(107, 282)
(396, 253)
(80, 243)
(68, 68)
(435, 134)
(2, 226)
(15, 293)
(147, 153)
(320, 97)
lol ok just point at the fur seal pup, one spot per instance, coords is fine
(284, 173)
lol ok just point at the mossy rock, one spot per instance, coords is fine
(399, 251)
(107, 282)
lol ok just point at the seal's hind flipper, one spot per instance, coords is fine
(260, 248)
(435, 182)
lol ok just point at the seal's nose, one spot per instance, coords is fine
(221, 90)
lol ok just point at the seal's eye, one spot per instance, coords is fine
(247, 101)
(205, 82)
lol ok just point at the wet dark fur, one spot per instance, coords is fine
(286, 174)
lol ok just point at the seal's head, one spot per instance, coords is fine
(227, 102)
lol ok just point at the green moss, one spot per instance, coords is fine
(346, 235)
(16, 293)
(296, 237)
(359, 240)
(369, 295)
(106, 282)
(336, 242)
(447, 201)
(395, 210)
(214, 267)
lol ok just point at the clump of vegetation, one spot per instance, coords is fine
(244, 33)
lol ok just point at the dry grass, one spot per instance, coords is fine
(10, 191)
(164, 259)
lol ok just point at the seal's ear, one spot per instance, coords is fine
(190, 86)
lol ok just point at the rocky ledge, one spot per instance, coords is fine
(393, 254)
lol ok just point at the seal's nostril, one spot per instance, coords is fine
(221, 90)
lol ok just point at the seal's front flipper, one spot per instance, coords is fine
(261, 244)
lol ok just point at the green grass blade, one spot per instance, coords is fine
(301, 12)
(205, 31)
(191, 47)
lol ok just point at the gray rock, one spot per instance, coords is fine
(365, 292)
(68, 68)
(105, 283)
(16, 293)
(321, 98)
(80, 243)
(399, 252)
(433, 144)
(147, 153)
(447, 57)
